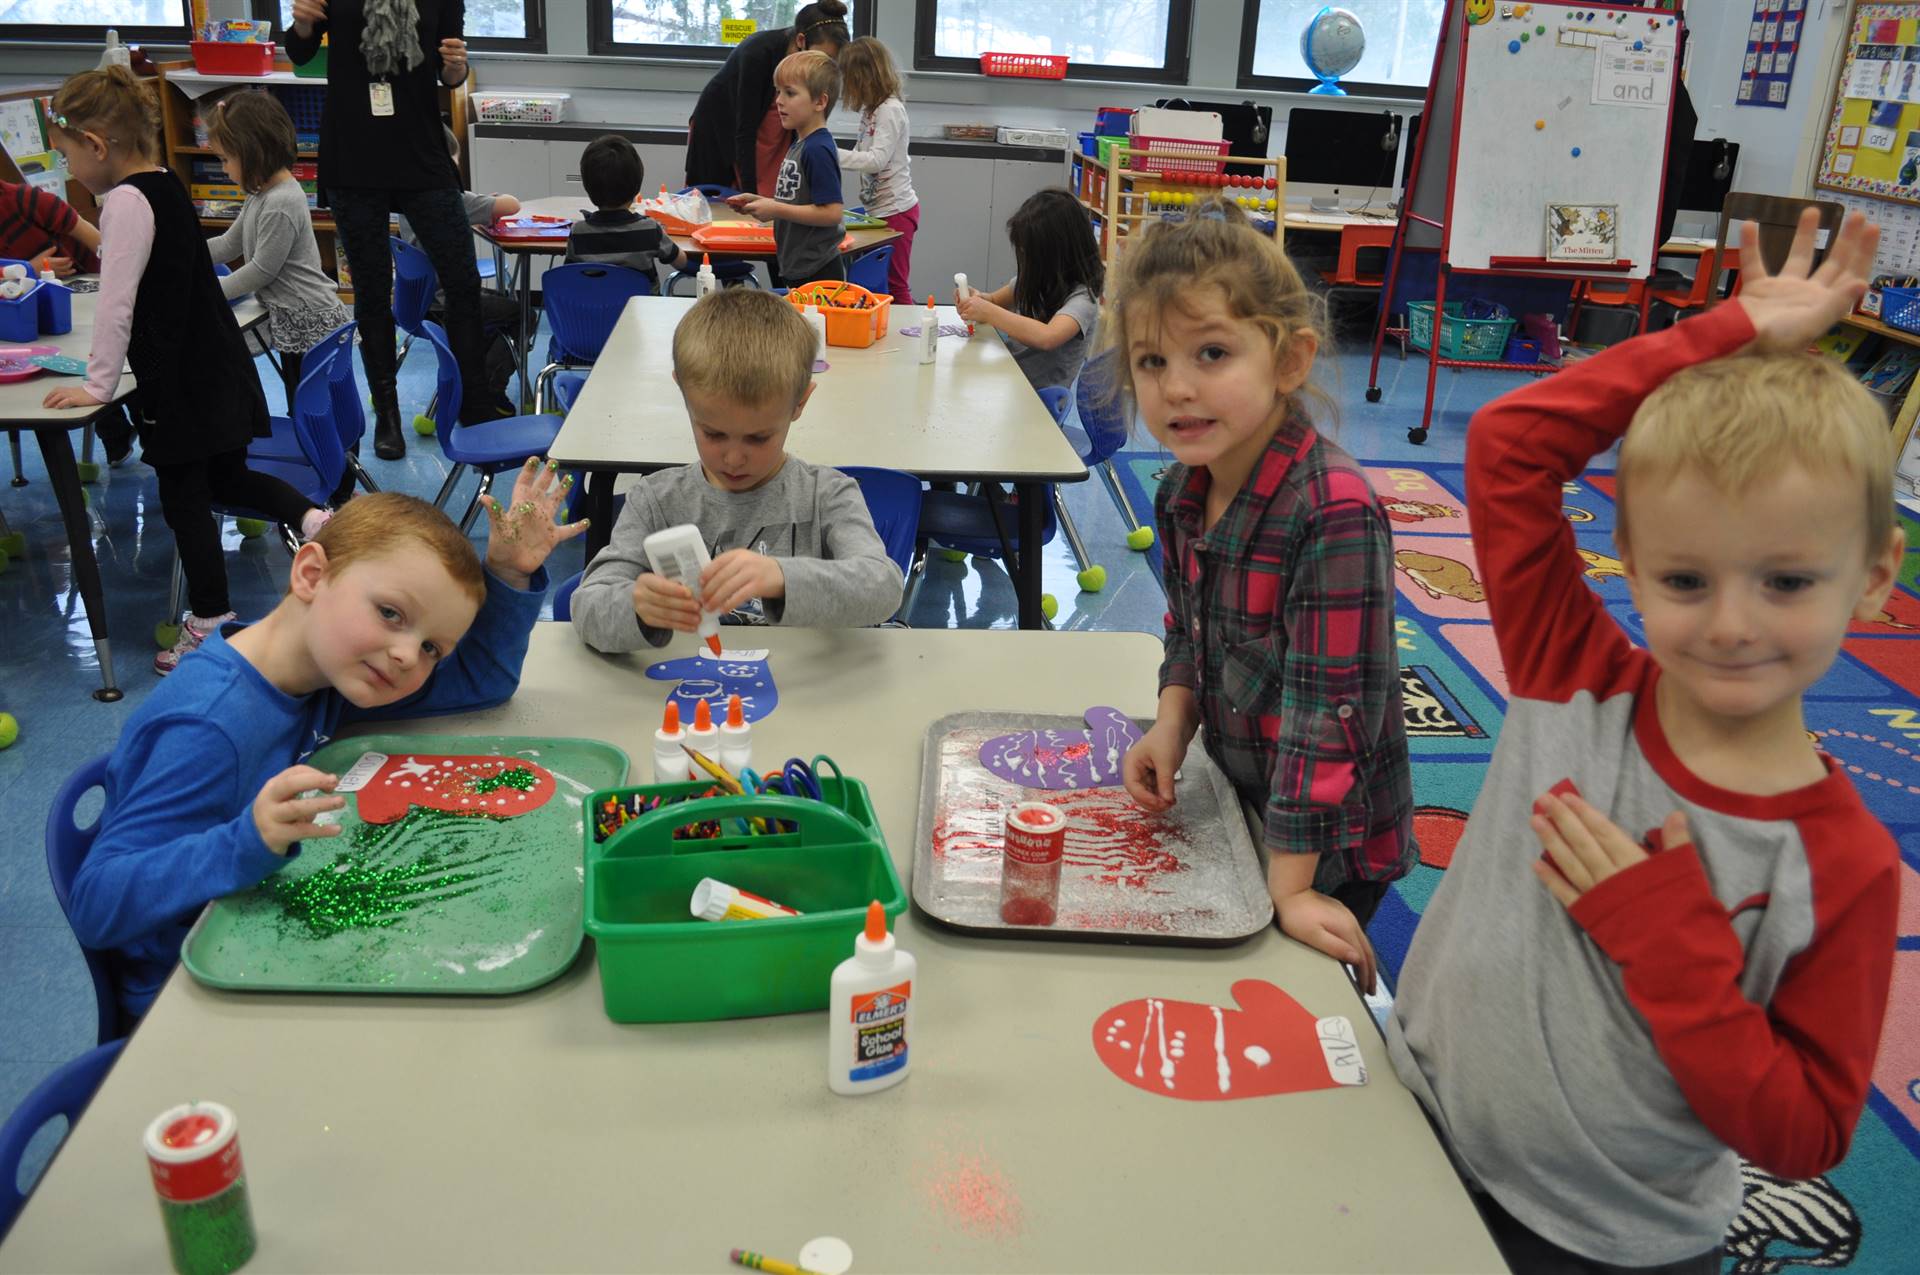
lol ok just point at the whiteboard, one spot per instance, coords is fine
(1576, 83)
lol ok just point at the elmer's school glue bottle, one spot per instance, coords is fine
(705, 282)
(670, 762)
(679, 554)
(736, 739)
(870, 1012)
(960, 293)
(703, 738)
(930, 333)
(818, 322)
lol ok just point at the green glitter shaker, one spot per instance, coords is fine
(193, 1151)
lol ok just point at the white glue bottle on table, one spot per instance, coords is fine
(705, 282)
(680, 555)
(930, 333)
(960, 293)
(736, 739)
(870, 1012)
(670, 762)
(702, 737)
(818, 322)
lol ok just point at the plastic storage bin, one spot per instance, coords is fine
(216, 57)
(1521, 350)
(55, 308)
(520, 108)
(20, 318)
(1029, 66)
(855, 317)
(659, 965)
(1900, 308)
(1469, 340)
(1173, 161)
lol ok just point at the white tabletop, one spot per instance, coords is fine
(969, 414)
(20, 400)
(530, 1133)
(573, 207)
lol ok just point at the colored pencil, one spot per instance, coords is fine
(772, 1265)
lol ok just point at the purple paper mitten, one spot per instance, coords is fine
(1054, 759)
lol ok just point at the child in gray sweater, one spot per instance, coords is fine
(792, 543)
(253, 136)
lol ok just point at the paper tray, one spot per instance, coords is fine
(743, 236)
(477, 907)
(1190, 876)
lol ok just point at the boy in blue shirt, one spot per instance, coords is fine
(806, 206)
(204, 790)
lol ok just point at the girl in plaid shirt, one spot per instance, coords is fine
(1279, 575)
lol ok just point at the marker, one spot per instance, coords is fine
(772, 1265)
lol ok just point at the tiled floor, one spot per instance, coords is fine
(47, 667)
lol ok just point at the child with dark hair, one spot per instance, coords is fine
(1048, 311)
(614, 234)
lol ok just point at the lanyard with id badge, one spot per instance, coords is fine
(380, 94)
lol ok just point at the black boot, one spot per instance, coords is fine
(389, 443)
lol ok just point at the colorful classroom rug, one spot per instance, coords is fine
(1862, 1216)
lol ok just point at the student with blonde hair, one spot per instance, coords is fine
(871, 85)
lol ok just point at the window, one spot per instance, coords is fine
(1102, 40)
(136, 20)
(504, 25)
(691, 28)
(1401, 37)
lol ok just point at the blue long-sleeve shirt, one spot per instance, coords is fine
(177, 830)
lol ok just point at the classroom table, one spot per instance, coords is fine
(20, 411)
(530, 1133)
(970, 416)
(573, 207)
(1308, 221)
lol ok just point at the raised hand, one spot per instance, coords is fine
(525, 530)
(1794, 306)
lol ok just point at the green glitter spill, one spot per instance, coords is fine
(519, 777)
(212, 1236)
(369, 888)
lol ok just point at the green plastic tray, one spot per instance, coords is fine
(476, 906)
(659, 965)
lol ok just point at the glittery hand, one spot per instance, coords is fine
(282, 816)
(525, 530)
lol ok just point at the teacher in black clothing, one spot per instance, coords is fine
(382, 151)
(734, 138)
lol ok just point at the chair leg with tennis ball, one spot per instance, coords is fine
(1139, 538)
(1093, 576)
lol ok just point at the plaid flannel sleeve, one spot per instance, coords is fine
(1338, 674)
(1176, 666)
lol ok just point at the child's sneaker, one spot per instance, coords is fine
(193, 631)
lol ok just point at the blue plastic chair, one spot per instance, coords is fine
(1103, 432)
(414, 284)
(331, 360)
(64, 1093)
(583, 301)
(67, 846)
(893, 499)
(563, 597)
(869, 269)
(490, 446)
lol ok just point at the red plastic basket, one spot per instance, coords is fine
(1031, 66)
(1177, 155)
(216, 57)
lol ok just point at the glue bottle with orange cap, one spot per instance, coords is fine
(670, 764)
(736, 739)
(703, 738)
(680, 554)
(870, 1012)
(930, 333)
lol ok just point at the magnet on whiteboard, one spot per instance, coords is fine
(1576, 152)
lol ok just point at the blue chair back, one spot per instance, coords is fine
(563, 597)
(1102, 412)
(64, 1093)
(67, 846)
(349, 406)
(893, 498)
(447, 388)
(583, 301)
(317, 408)
(869, 269)
(712, 190)
(414, 284)
(1056, 397)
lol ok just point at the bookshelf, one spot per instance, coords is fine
(184, 91)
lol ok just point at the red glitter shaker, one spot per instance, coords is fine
(1034, 846)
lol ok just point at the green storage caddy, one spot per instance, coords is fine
(659, 965)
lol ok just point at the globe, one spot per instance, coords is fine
(1331, 46)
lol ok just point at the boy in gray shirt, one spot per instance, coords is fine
(792, 543)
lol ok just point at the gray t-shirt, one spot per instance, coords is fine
(1061, 364)
(810, 174)
(274, 232)
(812, 518)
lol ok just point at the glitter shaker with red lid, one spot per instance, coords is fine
(1034, 847)
(193, 1153)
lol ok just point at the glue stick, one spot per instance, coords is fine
(670, 764)
(736, 739)
(717, 901)
(703, 738)
(960, 293)
(679, 554)
(704, 282)
(930, 333)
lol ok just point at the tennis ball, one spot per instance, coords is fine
(250, 528)
(9, 730)
(89, 470)
(1049, 605)
(1140, 538)
(953, 555)
(423, 426)
(4, 559)
(14, 543)
(165, 635)
(1092, 580)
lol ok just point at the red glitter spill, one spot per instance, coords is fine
(976, 1196)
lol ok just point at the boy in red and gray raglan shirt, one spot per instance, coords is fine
(1696, 969)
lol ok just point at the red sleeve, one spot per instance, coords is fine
(1782, 1085)
(1555, 637)
(51, 214)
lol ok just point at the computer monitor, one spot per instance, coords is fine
(1340, 155)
